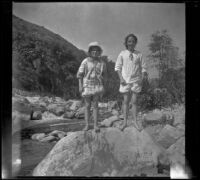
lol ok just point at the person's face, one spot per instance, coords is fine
(95, 52)
(131, 43)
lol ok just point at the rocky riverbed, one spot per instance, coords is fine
(43, 126)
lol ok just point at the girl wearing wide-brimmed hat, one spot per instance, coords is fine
(92, 77)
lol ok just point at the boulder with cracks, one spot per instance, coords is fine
(109, 152)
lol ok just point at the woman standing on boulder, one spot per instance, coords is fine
(92, 78)
(131, 69)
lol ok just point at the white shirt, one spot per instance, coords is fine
(131, 69)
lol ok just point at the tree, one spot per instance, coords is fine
(165, 57)
(163, 53)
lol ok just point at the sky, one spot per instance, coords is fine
(108, 23)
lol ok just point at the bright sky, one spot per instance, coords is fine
(107, 23)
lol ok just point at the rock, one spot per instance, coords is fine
(153, 118)
(69, 114)
(113, 105)
(103, 105)
(59, 110)
(176, 152)
(51, 107)
(75, 105)
(109, 121)
(121, 116)
(37, 115)
(80, 114)
(48, 116)
(18, 98)
(38, 136)
(117, 124)
(59, 134)
(168, 136)
(115, 112)
(109, 152)
(154, 131)
(59, 100)
(169, 118)
(21, 105)
(16, 115)
(48, 138)
(38, 107)
(181, 127)
(56, 109)
(179, 117)
(34, 99)
(69, 133)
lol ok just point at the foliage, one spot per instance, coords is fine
(163, 53)
(43, 61)
(171, 81)
(112, 85)
(46, 63)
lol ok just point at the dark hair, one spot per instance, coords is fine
(126, 39)
(89, 50)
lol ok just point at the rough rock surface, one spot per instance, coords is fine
(68, 114)
(176, 152)
(109, 121)
(109, 152)
(38, 136)
(37, 115)
(80, 113)
(168, 135)
(153, 118)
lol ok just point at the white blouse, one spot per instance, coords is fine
(131, 65)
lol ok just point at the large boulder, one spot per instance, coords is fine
(69, 114)
(109, 121)
(80, 113)
(56, 109)
(59, 134)
(176, 152)
(111, 152)
(179, 115)
(168, 135)
(48, 116)
(37, 115)
(153, 118)
(21, 105)
(75, 104)
(38, 136)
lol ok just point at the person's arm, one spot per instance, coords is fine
(80, 82)
(118, 68)
(122, 81)
(80, 75)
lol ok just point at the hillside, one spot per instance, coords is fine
(39, 32)
(43, 61)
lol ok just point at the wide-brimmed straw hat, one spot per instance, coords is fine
(94, 44)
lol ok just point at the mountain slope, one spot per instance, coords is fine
(44, 61)
(22, 26)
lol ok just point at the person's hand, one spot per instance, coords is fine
(122, 81)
